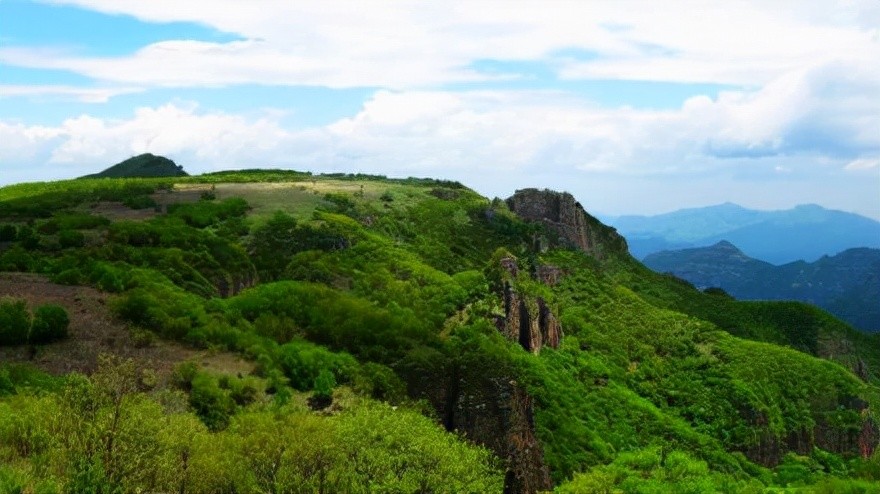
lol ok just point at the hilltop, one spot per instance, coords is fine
(142, 165)
(803, 233)
(400, 335)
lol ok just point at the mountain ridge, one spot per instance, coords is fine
(804, 232)
(846, 284)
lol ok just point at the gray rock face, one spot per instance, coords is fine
(562, 214)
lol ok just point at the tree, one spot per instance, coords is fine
(272, 245)
(15, 321)
(324, 384)
(7, 233)
(50, 324)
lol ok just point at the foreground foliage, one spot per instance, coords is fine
(105, 434)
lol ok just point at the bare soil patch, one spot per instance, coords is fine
(116, 211)
(180, 193)
(94, 330)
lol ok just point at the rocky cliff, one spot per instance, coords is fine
(484, 401)
(828, 435)
(562, 214)
(528, 320)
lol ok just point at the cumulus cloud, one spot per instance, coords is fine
(418, 44)
(50, 92)
(434, 132)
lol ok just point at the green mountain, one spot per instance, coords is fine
(277, 331)
(142, 165)
(806, 232)
(847, 284)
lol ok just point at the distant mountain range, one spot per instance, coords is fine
(806, 232)
(847, 284)
(143, 165)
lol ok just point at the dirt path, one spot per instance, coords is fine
(93, 330)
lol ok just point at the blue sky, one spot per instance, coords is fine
(632, 109)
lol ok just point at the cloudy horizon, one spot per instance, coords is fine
(632, 110)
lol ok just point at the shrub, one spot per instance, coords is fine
(50, 324)
(68, 277)
(211, 403)
(50, 227)
(28, 238)
(8, 233)
(324, 384)
(139, 202)
(7, 387)
(304, 362)
(15, 321)
(16, 259)
(71, 238)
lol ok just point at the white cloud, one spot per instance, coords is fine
(209, 140)
(418, 44)
(56, 92)
(863, 164)
(521, 133)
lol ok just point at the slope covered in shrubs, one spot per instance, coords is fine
(377, 293)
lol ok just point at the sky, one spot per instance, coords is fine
(635, 107)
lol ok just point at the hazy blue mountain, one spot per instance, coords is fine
(806, 232)
(847, 284)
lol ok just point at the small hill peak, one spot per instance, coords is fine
(725, 245)
(142, 165)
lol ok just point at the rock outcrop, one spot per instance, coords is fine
(483, 399)
(861, 438)
(527, 320)
(497, 412)
(562, 214)
(229, 285)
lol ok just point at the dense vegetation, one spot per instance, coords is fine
(370, 309)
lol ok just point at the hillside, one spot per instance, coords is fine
(806, 232)
(142, 165)
(399, 336)
(847, 284)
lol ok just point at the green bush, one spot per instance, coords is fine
(50, 323)
(15, 321)
(213, 404)
(7, 387)
(28, 238)
(16, 259)
(323, 395)
(8, 233)
(139, 202)
(71, 238)
(68, 277)
(303, 363)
